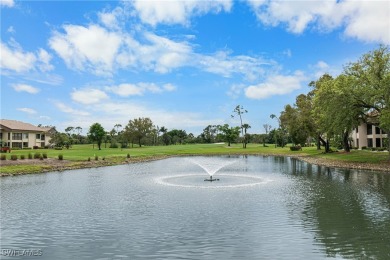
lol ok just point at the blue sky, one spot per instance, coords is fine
(184, 64)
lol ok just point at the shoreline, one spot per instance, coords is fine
(54, 165)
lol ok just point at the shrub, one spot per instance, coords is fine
(296, 148)
(128, 156)
(41, 157)
(364, 147)
(58, 148)
(96, 157)
(89, 159)
(35, 147)
(114, 145)
(14, 157)
(37, 155)
(374, 149)
(44, 155)
(60, 157)
(22, 157)
(30, 156)
(3, 157)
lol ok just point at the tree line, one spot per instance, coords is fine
(336, 106)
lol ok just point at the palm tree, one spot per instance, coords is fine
(246, 136)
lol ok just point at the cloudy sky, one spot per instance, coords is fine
(184, 64)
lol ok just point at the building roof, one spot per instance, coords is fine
(18, 125)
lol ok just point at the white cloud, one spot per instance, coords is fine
(7, 3)
(66, 109)
(120, 50)
(111, 113)
(365, 20)
(92, 46)
(88, 96)
(139, 89)
(27, 110)
(14, 58)
(11, 29)
(177, 12)
(275, 85)
(25, 88)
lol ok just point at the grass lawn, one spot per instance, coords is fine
(81, 153)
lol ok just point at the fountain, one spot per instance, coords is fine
(211, 165)
(192, 178)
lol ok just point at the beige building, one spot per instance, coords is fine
(16, 134)
(368, 135)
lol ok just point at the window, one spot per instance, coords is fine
(25, 135)
(1, 136)
(377, 130)
(25, 144)
(369, 129)
(369, 142)
(42, 137)
(16, 145)
(38, 136)
(16, 136)
(378, 142)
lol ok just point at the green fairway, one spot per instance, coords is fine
(80, 153)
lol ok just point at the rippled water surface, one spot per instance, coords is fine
(261, 208)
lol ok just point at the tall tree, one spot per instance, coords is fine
(246, 135)
(371, 85)
(267, 128)
(139, 128)
(239, 111)
(334, 103)
(229, 134)
(96, 134)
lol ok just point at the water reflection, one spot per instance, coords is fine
(303, 211)
(348, 210)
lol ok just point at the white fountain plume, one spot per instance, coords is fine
(211, 164)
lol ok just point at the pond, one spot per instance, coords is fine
(261, 208)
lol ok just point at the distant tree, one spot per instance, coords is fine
(246, 135)
(139, 128)
(239, 111)
(96, 134)
(267, 128)
(229, 134)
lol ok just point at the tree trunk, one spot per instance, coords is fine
(139, 142)
(99, 143)
(346, 142)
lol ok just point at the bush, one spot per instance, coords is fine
(37, 155)
(44, 155)
(3, 157)
(58, 148)
(60, 157)
(30, 156)
(35, 147)
(364, 147)
(14, 157)
(22, 157)
(89, 159)
(96, 157)
(41, 157)
(114, 145)
(374, 149)
(296, 148)
(128, 156)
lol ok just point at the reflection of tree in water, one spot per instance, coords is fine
(348, 210)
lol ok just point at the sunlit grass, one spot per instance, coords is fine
(80, 153)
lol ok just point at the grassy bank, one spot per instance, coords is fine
(78, 156)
